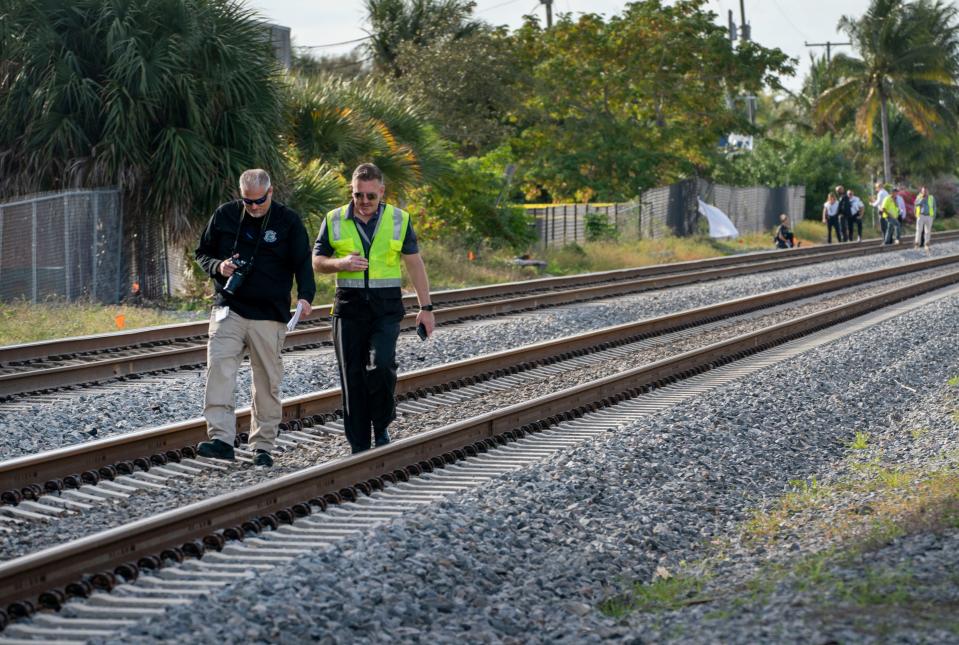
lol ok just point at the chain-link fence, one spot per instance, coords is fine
(64, 245)
(561, 224)
(668, 210)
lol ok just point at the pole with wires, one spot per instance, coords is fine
(549, 12)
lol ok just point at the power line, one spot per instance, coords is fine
(345, 42)
(497, 6)
(786, 16)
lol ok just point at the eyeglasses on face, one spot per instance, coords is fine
(258, 202)
(369, 196)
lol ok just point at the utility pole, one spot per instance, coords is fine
(828, 45)
(549, 12)
(744, 33)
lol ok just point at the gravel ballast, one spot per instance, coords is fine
(155, 400)
(188, 490)
(532, 556)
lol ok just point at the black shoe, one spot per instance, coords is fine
(216, 449)
(381, 437)
(262, 458)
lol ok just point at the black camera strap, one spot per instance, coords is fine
(259, 237)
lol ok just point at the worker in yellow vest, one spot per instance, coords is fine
(362, 243)
(890, 214)
(925, 214)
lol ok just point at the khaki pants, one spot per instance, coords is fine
(923, 227)
(228, 339)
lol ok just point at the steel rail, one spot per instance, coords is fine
(26, 577)
(170, 333)
(164, 359)
(17, 474)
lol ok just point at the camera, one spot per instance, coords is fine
(239, 275)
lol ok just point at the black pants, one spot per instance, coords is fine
(832, 222)
(366, 351)
(852, 222)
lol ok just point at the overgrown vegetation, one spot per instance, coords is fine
(148, 96)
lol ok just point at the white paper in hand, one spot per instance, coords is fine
(290, 326)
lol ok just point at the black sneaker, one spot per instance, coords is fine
(381, 437)
(262, 458)
(216, 449)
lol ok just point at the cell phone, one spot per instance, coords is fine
(421, 331)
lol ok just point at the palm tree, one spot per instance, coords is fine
(169, 99)
(909, 58)
(345, 123)
(420, 22)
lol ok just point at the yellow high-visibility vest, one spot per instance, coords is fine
(932, 207)
(889, 208)
(385, 247)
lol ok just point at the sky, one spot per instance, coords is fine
(786, 24)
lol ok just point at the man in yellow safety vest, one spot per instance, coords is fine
(362, 243)
(925, 213)
(890, 214)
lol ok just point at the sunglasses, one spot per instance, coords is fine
(250, 202)
(369, 196)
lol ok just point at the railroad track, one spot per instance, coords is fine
(75, 467)
(325, 502)
(47, 366)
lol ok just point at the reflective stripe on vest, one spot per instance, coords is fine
(385, 250)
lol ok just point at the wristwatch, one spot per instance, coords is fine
(426, 307)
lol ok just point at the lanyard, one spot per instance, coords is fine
(259, 238)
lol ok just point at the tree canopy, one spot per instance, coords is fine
(909, 58)
(169, 99)
(626, 103)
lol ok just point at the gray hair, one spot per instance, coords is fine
(368, 172)
(253, 179)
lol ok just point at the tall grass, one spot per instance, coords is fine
(24, 322)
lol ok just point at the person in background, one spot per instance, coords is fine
(363, 243)
(830, 217)
(784, 237)
(845, 212)
(925, 214)
(890, 213)
(901, 205)
(252, 247)
(881, 194)
(858, 209)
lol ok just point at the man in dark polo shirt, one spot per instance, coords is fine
(252, 248)
(362, 243)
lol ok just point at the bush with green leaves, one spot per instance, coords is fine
(598, 227)
(469, 208)
(819, 163)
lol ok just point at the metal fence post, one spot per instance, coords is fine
(1, 240)
(117, 296)
(33, 235)
(93, 245)
(564, 224)
(66, 245)
(552, 233)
